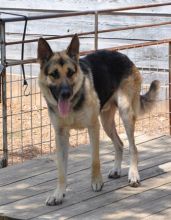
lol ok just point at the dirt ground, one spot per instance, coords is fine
(29, 131)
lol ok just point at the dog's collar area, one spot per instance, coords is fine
(79, 97)
(79, 102)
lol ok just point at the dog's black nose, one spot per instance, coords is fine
(65, 93)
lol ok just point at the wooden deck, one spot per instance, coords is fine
(24, 187)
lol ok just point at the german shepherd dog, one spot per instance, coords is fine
(77, 91)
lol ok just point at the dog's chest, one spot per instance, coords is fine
(77, 120)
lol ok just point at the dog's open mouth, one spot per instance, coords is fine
(64, 107)
(62, 96)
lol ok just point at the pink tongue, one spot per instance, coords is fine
(64, 107)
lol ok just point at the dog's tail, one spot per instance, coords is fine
(148, 100)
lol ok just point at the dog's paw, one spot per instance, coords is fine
(97, 184)
(114, 174)
(56, 198)
(134, 178)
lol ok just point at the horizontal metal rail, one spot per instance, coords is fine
(36, 10)
(84, 37)
(68, 11)
(139, 14)
(92, 32)
(57, 15)
(124, 47)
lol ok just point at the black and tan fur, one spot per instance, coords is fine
(78, 91)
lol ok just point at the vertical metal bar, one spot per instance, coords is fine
(31, 102)
(4, 94)
(11, 113)
(170, 87)
(21, 115)
(96, 31)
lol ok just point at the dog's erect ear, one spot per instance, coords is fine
(44, 52)
(73, 48)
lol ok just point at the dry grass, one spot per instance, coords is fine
(30, 133)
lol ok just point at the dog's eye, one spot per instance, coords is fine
(55, 74)
(70, 73)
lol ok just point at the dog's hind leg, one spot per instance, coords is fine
(108, 123)
(96, 177)
(128, 117)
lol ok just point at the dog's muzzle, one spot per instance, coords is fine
(62, 96)
(65, 93)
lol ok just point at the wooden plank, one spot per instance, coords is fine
(32, 168)
(162, 215)
(8, 218)
(145, 209)
(47, 181)
(34, 206)
(47, 164)
(17, 192)
(157, 206)
(134, 207)
(153, 144)
(25, 170)
(84, 208)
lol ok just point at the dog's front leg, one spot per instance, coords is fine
(96, 177)
(62, 142)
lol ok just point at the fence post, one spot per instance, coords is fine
(4, 161)
(170, 87)
(96, 31)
